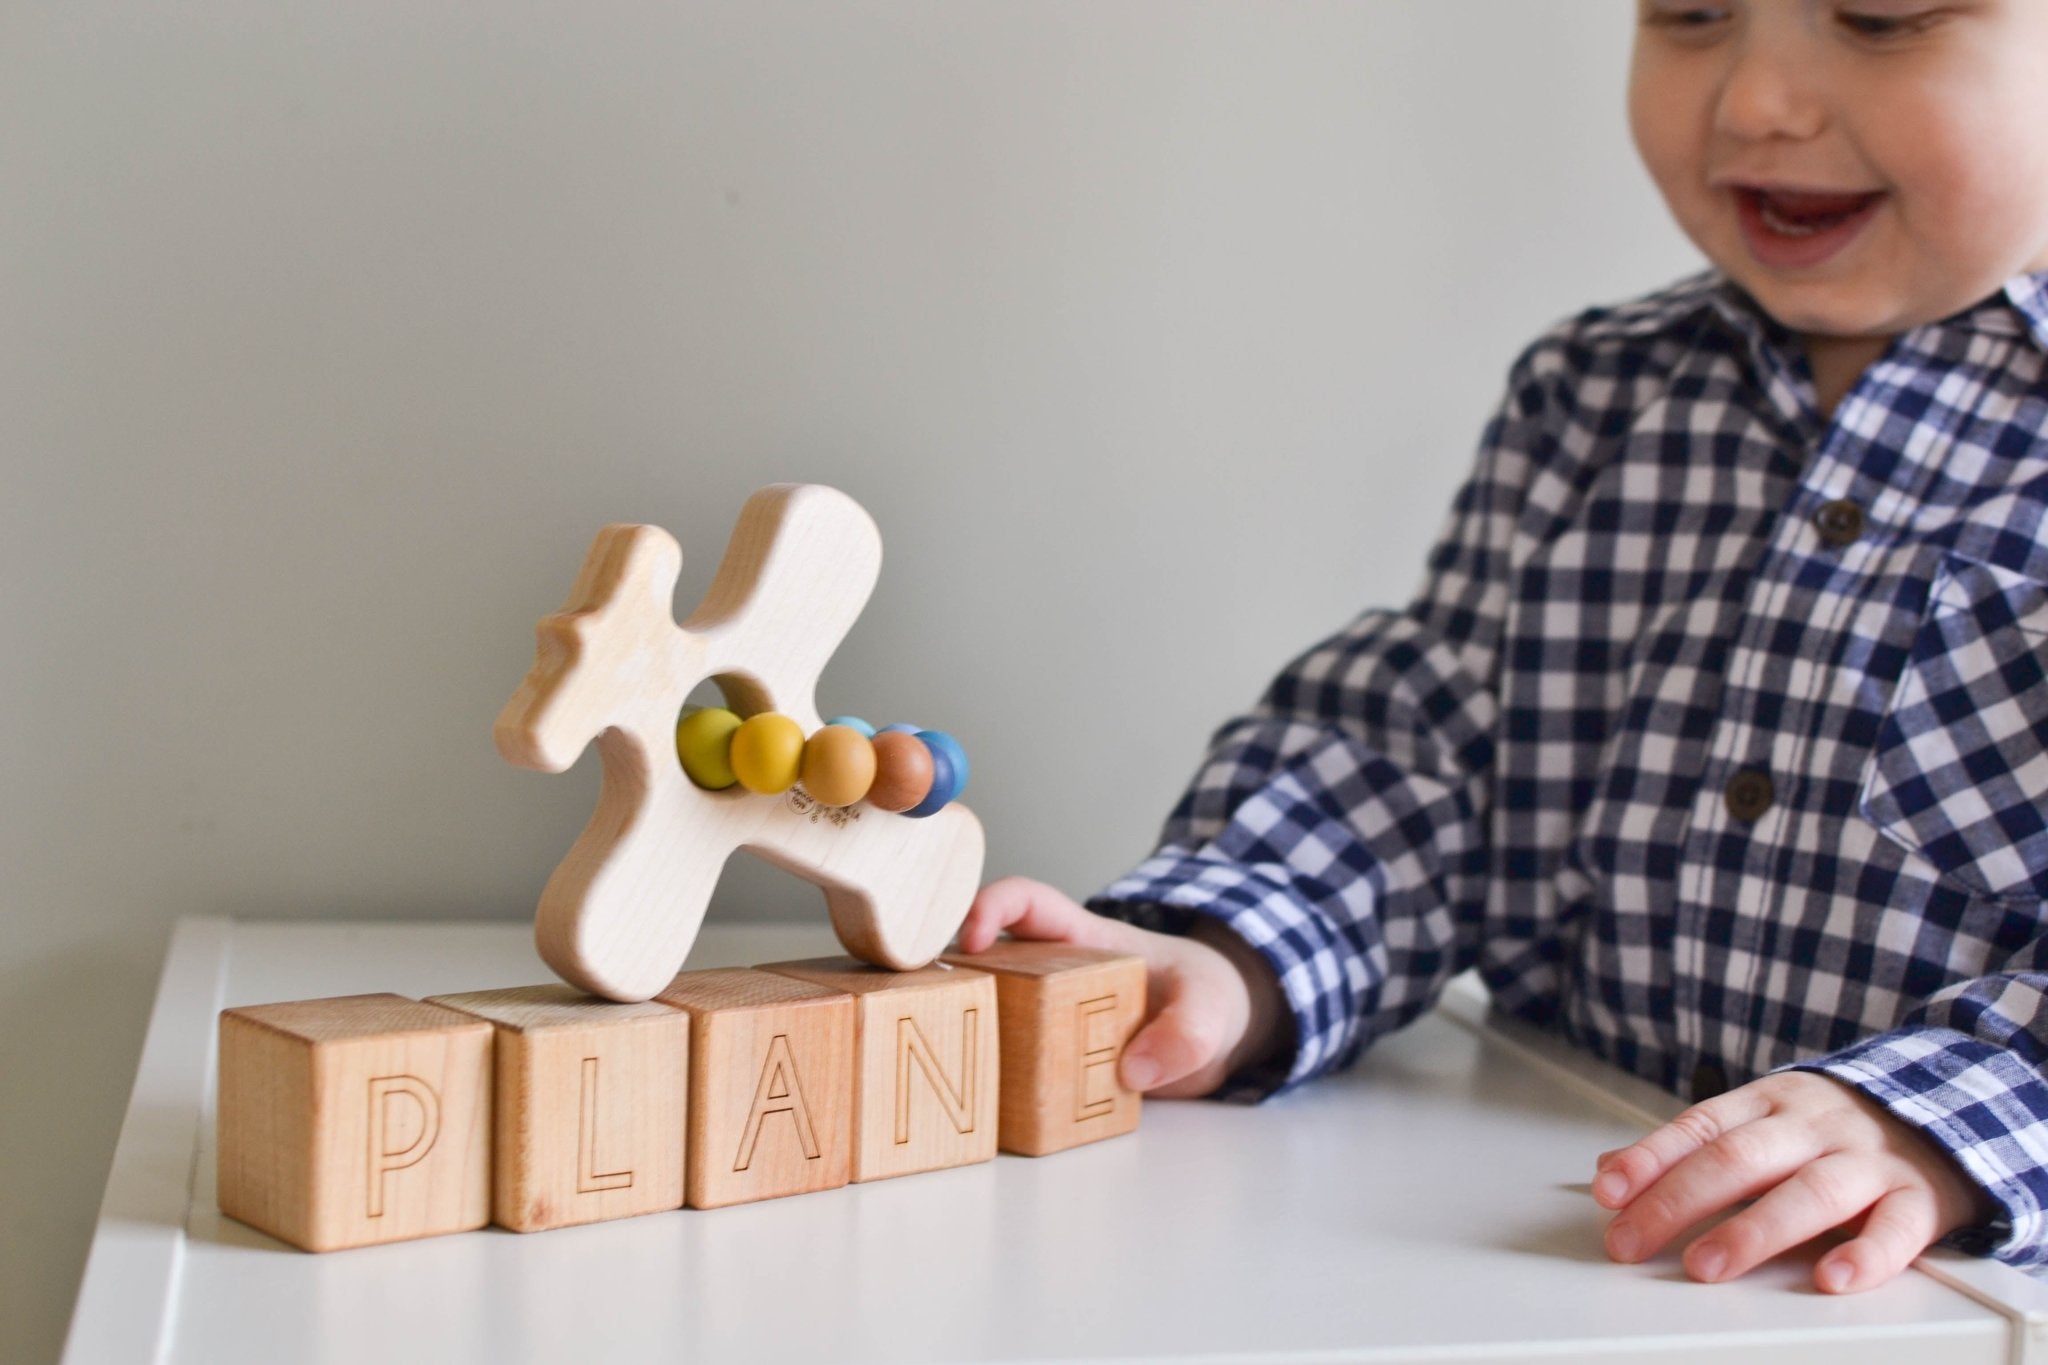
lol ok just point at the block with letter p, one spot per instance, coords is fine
(354, 1120)
(1066, 1014)
(926, 1059)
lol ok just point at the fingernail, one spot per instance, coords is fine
(1622, 1243)
(1708, 1263)
(1834, 1276)
(1139, 1073)
(1611, 1187)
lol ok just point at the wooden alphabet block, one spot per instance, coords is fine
(771, 1085)
(353, 1120)
(590, 1105)
(1066, 1014)
(926, 1063)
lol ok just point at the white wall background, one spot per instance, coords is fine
(1155, 334)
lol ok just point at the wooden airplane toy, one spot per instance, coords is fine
(621, 911)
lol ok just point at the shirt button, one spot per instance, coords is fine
(1749, 794)
(1708, 1080)
(1839, 523)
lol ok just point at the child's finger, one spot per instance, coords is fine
(1029, 909)
(1821, 1195)
(1738, 1165)
(1633, 1169)
(1900, 1227)
(1179, 1042)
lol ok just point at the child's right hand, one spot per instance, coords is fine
(1212, 1002)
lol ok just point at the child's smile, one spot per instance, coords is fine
(1859, 167)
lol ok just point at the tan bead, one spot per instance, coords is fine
(839, 765)
(903, 771)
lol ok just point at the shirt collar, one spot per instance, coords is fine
(2021, 305)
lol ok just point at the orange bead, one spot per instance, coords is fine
(903, 771)
(839, 765)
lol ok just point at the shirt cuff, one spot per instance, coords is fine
(1321, 980)
(1983, 1105)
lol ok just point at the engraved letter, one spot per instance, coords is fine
(778, 1093)
(588, 1178)
(385, 1129)
(957, 1102)
(1095, 1082)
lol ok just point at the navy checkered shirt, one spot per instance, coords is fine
(1716, 738)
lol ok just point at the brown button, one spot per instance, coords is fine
(1749, 794)
(1708, 1080)
(1839, 522)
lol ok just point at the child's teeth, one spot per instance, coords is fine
(1785, 227)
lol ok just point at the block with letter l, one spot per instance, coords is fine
(1066, 1014)
(354, 1120)
(590, 1105)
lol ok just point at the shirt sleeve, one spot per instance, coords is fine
(1966, 1069)
(1339, 827)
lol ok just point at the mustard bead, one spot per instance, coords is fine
(704, 744)
(839, 765)
(767, 752)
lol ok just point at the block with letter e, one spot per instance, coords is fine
(590, 1105)
(926, 1067)
(354, 1120)
(771, 1085)
(1066, 1014)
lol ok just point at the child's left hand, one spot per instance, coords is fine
(1814, 1154)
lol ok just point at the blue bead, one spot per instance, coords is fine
(945, 782)
(896, 729)
(939, 739)
(853, 723)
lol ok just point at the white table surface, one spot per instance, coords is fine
(1429, 1205)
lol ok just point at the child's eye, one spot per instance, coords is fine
(1682, 16)
(1881, 26)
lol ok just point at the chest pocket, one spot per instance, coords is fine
(1960, 772)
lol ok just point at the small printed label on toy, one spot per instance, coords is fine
(803, 803)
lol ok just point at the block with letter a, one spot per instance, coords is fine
(771, 1085)
(1066, 1014)
(590, 1104)
(926, 1063)
(354, 1120)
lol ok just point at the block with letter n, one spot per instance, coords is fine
(926, 1063)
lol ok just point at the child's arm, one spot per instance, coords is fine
(1814, 1154)
(1213, 1006)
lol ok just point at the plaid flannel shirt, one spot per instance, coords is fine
(1717, 737)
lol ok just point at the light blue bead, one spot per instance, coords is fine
(897, 729)
(853, 723)
(945, 781)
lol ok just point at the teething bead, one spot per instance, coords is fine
(838, 765)
(899, 728)
(854, 723)
(704, 744)
(767, 751)
(945, 782)
(903, 771)
(939, 739)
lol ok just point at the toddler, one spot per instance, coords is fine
(1717, 736)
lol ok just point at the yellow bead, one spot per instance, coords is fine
(767, 752)
(704, 744)
(839, 765)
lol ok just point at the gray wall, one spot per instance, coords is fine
(1154, 333)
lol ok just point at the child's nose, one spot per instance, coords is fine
(1769, 92)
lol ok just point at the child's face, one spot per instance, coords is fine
(1859, 166)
